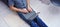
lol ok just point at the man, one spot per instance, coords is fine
(21, 6)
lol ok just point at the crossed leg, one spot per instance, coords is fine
(40, 22)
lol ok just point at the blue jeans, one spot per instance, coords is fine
(37, 22)
(40, 22)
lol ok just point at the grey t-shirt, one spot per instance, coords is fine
(18, 3)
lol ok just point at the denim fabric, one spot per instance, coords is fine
(40, 22)
(17, 3)
(34, 24)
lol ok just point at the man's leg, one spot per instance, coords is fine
(40, 22)
(32, 23)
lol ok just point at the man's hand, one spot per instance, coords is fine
(24, 11)
(29, 9)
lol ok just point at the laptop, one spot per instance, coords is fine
(31, 15)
